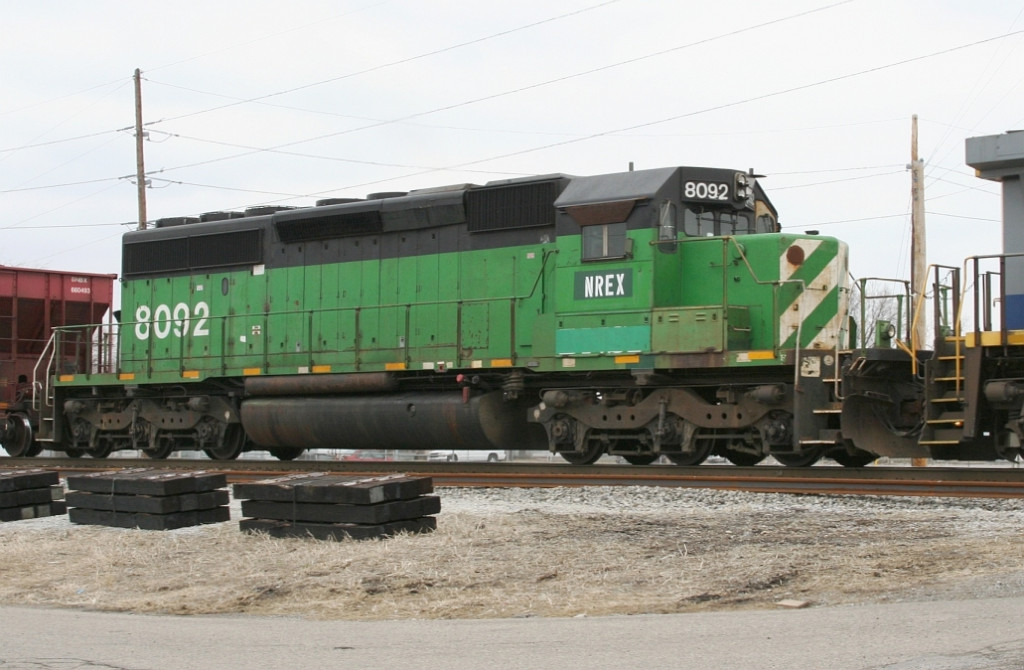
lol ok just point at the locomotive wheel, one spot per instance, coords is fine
(161, 451)
(804, 459)
(1008, 446)
(741, 458)
(852, 457)
(35, 449)
(102, 450)
(71, 452)
(594, 451)
(640, 459)
(702, 449)
(19, 436)
(286, 453)
(231, 447)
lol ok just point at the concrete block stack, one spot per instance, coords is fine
(336, 507)
(148, 499)
(30, 494)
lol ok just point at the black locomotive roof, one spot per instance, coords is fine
(638, 185)
(645, 185)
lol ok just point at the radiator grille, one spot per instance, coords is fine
(196, 252)
(514, 206)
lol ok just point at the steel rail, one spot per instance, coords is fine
(988, 482)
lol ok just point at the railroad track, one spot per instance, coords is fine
(988, 482)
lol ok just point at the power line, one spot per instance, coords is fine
(844, 169)
(227, 188)
(70, 183)
(836, 181)
(401, 61)
(61, 97)
(61, 141)
(756, 98)
(66, 226)
(962, 216)
(17, 224)
(318, 22)
(314, 156)
(427, 170)
(837, 222)
(259, 99)
(964, 186)
(887, 216)
(698, 112)
(548, 82)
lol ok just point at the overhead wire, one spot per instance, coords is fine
(17, 224)
(307, 155)
(44, 187)
(319, 22)
(676, 117)
(756, 98)
(400, 61)
(64, 140)
(905, 215)
(227, 188)
(980, 83)
(60, 97)
(261, 98)
(501, 94)
(122, 84)
(610, 132)
(837, 181)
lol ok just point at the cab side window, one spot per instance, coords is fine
(604, 240)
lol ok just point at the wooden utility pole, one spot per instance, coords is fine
(140, 164)
(918, 252)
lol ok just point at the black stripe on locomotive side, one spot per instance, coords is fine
(507, 214)
(510, 213)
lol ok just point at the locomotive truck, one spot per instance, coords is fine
(641, 314)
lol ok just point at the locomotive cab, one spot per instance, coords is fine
(695, 322)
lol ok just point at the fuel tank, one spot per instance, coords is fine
(392, 421)
(367, 382)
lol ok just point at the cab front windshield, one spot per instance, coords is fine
(701, 222)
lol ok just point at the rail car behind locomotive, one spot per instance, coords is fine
(32, 302)
(642, 314)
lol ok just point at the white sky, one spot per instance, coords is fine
(264, 101)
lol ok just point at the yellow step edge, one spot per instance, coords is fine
(993, 338)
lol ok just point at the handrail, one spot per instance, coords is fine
(915, 345)
(775, 284)
(37, 386)
(862, 284)
(264, 318)
(1002, 293)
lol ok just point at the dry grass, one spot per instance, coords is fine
(527, 562)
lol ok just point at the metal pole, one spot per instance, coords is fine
(140, 166)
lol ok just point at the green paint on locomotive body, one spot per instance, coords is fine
(486, 309)
(440, 311)
(536, 303)
(719, 296)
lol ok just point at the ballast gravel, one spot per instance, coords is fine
(517, 552)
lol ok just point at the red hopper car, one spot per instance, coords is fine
(32, 302)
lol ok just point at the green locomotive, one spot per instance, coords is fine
(643, 313)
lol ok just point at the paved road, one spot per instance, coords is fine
(975, 635)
